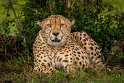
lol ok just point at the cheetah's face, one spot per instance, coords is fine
(56, 29)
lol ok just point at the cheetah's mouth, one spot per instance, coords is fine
(56, 40)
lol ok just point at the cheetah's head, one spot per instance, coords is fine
(56, 29)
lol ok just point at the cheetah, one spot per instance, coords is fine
(56, 48)
(10, 46)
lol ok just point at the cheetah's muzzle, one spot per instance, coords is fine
(56, 40)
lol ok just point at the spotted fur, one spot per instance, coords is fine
(56, 48)
(9, 46)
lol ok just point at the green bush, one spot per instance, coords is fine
(93, 16)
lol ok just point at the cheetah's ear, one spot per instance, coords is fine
(41, 24)
(72, 22)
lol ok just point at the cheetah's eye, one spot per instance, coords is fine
(61, 25)
(49, 25)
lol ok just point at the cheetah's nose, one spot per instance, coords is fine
(55, 33)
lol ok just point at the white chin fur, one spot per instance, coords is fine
(61, 43)
(55, 43)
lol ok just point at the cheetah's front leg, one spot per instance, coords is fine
(43, 63)
(64, 62)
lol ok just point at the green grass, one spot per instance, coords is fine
(19, 70)
(118, 4)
